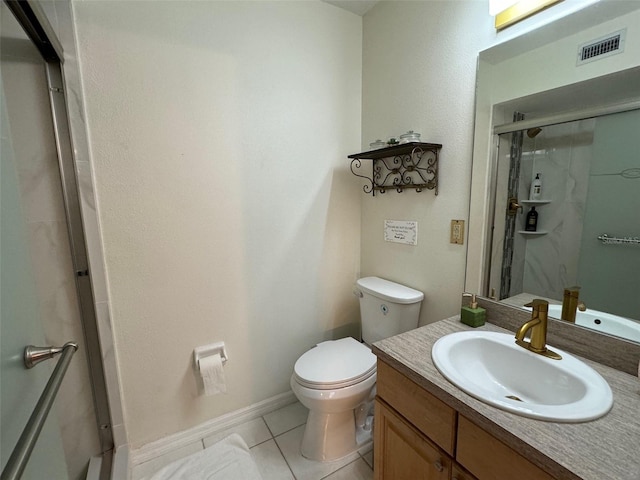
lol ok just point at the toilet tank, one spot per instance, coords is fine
(386, 308)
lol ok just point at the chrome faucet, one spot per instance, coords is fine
(570, 303)
(538, 327)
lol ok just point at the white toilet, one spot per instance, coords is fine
(336, 379)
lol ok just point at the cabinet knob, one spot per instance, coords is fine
(438, 465)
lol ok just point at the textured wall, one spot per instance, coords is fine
(219, 133)
(419, 69)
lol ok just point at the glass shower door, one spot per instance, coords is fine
(20, 314)
(20, 326)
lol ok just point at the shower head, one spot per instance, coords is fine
(532, 132)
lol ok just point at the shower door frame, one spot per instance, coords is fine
(36, 26)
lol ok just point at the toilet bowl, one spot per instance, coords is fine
(332, 380)
(336, 379)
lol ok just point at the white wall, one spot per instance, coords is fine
(201, 114)
(219, 133)
(419, 69)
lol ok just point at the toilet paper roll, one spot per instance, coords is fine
(212, 374)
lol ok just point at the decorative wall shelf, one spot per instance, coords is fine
(409, 165)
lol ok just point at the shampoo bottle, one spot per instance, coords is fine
(531, 224)
(535, 192)
(472, 315)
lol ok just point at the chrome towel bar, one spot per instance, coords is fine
(20, 456)
(34, 355)
(607, 240)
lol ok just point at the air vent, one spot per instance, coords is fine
(603, 47)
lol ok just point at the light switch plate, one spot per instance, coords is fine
(457, 232)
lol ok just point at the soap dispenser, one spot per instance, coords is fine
(472, 315)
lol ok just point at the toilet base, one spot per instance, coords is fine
(331, 436)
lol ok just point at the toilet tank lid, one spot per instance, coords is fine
(391, 291)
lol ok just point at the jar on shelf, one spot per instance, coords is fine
(410, 136)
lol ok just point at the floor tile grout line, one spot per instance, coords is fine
(285, 459)
(365, 460)
(268, 427)
(342, 467)
(287, 431)
(262, 443)
(264, 422)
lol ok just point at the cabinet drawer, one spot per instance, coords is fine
(488, 458)
(427, 413)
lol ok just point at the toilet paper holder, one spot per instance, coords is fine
(209, 350)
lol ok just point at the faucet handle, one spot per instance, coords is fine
(514, 206)
(573, 291)
(539, 304)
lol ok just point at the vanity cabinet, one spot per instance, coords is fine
(459, 473)
(418, 436)
(403, 453)
(488, 457)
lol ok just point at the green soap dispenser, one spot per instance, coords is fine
(472, 315)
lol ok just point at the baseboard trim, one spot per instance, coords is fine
(211, 427)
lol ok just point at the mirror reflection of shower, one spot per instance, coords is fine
(590, 171)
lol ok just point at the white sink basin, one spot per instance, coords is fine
(491, 367)
(602, 322)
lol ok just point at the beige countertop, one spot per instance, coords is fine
(604, 449)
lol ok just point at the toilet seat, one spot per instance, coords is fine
(335, 364)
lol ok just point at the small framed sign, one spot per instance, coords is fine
(401, 231)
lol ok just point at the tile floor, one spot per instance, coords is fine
(274, 440)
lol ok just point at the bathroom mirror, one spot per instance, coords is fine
(577, 130)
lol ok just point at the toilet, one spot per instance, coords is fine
(336, 379)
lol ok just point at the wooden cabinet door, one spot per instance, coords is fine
(402, 452)
(459, 473)
(431, 416)
(488, 458)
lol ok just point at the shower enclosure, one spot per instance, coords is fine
(46, 296)
(588, 233)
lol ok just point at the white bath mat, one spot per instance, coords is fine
(229, 459)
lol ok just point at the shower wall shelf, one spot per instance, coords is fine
(526, 233)
(535, 202)
(411, 165)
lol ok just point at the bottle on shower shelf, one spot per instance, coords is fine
(535, 193)
(532, 221)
